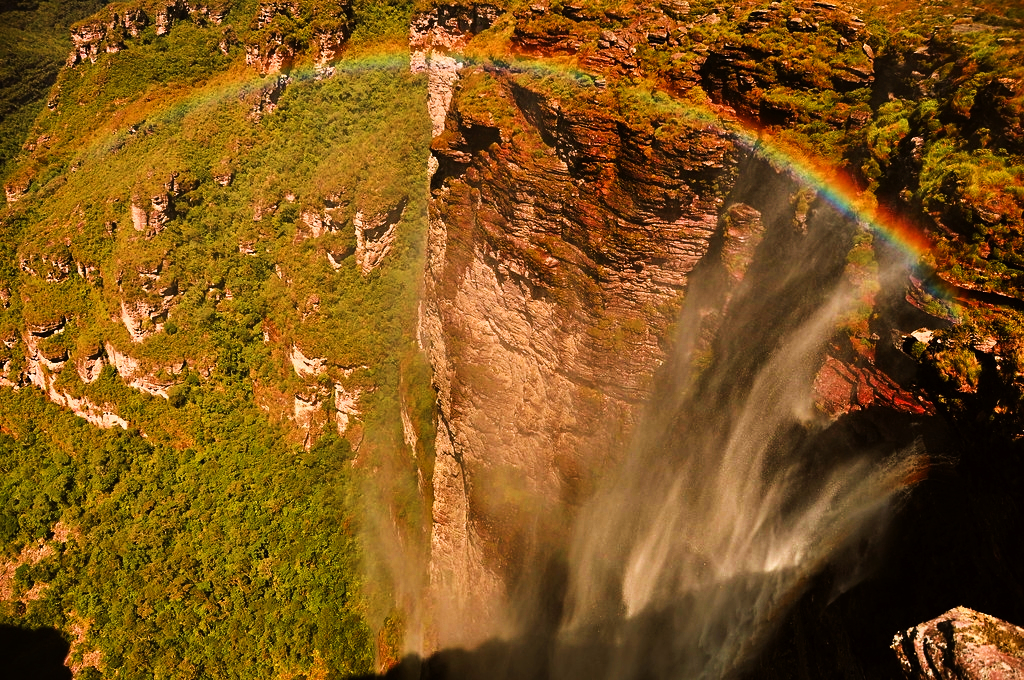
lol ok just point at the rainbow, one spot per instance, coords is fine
(232, 84)
(839, 190)
(830, 183)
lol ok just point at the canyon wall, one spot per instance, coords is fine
(560, 242)
(570, 207)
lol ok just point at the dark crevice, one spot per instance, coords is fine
(33, 654)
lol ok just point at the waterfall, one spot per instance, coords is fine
(733, 496)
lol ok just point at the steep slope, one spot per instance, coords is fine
(595, 158)
(212, 252)
(551, 288)
(34, 41)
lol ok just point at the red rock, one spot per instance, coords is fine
(842, 388)
(962, 644)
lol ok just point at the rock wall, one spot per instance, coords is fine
(108, 33)
(560, 243)
(565, 222)
(435, 40)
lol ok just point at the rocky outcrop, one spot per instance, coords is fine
(154, 381)
(738, 73)
(181, 10)
(274, 45)
(735, 68)
(842, 387)
(375, 235)
(44, 329)
(434, 37)
(269, 9)
(742, 233)
(962, 644)
(90, 364)
(322, 218)
(104, 416)
(303, 365)
(327, 46)
(143, 318)
(161, 208)
(272, 53)
(449, 27)
(16, 187)
(314, 405)
(109, 33)
(442, 74)
(148, 293)
(317, 222)
(265, 101)
(93, 37)
(346, 406)
(44, 357)
(223, 175)
(272, 56)
(52, 263)
(43, 361)
(306, 407)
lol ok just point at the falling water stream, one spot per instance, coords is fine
(731, 499)
(735, 493)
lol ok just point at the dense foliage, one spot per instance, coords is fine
(222, 534)
(234, 557)
(33, 45)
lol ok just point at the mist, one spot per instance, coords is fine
(734, 494)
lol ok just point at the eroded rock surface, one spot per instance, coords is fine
(272, 47)
(843, 387)
(108, 33)
(551, 252)
(93, 37)
(962, 644)
(435, 40)
(375, 235)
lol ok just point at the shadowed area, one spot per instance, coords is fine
(36, 654)
(952, 540)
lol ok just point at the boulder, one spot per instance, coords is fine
(962, 644)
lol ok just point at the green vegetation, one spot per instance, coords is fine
(964, 140)
(233, 557)
(221, 536)
(380, 23)
(34, 43)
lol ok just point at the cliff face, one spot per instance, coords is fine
(961, 644)
(560, 242)
(570, 206)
